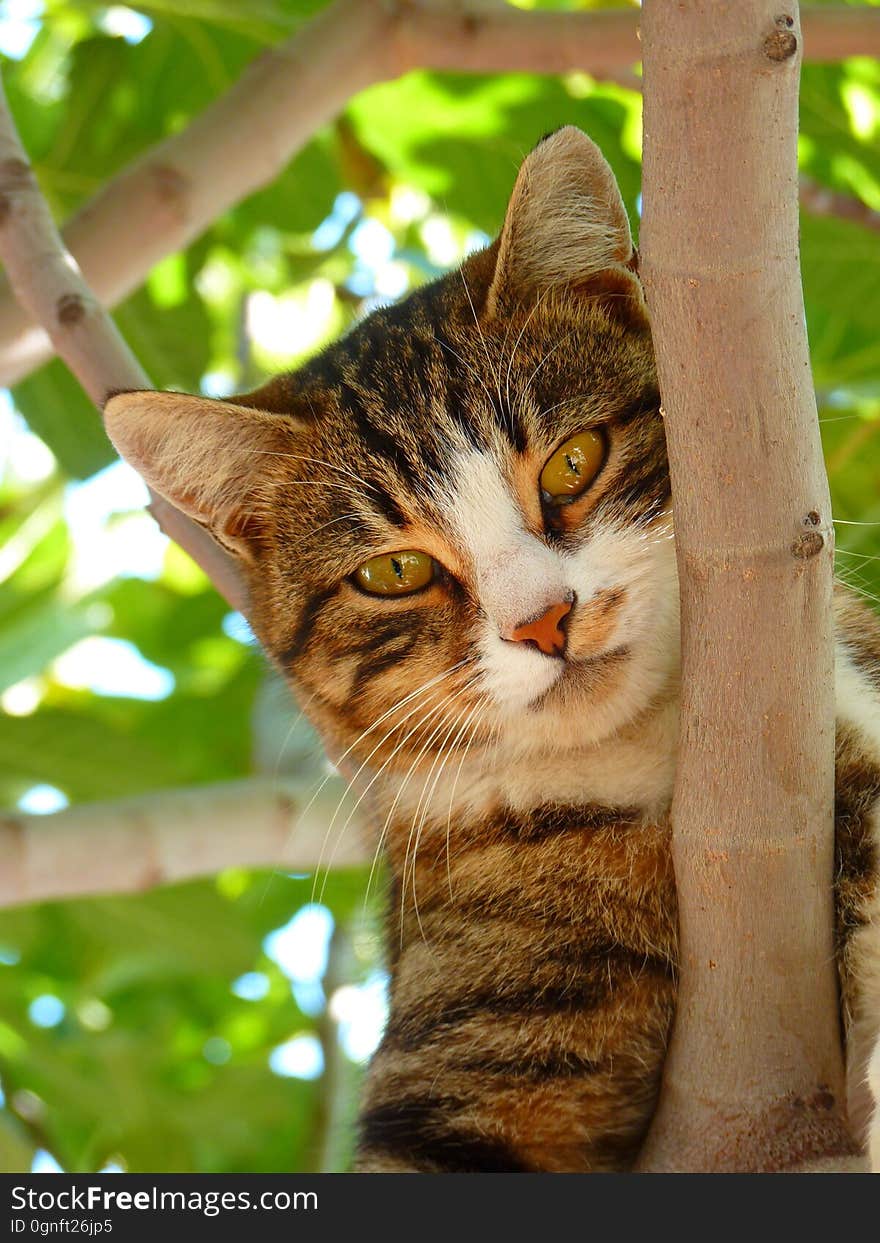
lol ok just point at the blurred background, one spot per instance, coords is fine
(223, 1025)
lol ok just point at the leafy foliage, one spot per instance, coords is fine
(144, 1055)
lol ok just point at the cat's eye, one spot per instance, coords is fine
(396, 573)
(573, 467)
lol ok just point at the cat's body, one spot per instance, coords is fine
(534, 1003)
(457, 529)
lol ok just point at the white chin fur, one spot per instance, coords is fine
(515, 675)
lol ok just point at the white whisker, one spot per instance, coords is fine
(317, 461)
(516, 343)
(419, 725)
(547, 356)
(375, 725)
(443, 345)
(452, 793)
(431, 685)
(331, 522)
(468, 685)
(428, 796)
(492, 370)
(405, 868)
(439, 763)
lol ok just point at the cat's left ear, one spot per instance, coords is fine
(566, 225)
(210, 459)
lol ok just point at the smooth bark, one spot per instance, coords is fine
(171, 836)
(754, 1076)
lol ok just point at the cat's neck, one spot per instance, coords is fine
(634, 769)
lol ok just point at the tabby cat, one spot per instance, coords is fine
(456, 529)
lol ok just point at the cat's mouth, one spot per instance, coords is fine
(584, 675)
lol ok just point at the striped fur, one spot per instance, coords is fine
(522, 799)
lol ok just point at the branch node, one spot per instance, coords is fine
(781, 44)
(15, 174)
(70, 309)
(171, 188)
(808, 545)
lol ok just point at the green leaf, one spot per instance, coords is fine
(16, 1147)
(462, 138)
(841, 275)
(833, 152)
(60, 413)
(39, 632)
(300, 197)
(171, 342)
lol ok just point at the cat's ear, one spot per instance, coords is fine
(210, 459)
(565, 225)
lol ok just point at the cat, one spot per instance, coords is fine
(457, 532)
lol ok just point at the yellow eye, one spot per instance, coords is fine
(573, 466)
(395, 573)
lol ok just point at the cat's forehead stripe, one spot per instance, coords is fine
(415, 379)
(382, 442)
(459, 386)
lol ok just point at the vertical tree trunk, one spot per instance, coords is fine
(754, 1075)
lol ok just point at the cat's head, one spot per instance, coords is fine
(455, 522)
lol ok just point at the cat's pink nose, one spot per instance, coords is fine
(546, 631)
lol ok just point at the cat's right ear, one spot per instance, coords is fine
(566, 225)
(210, 459)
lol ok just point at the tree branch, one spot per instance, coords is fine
(173, 192)
(171, 836)
(49, 285)
(754, 1076)
(820, 201)
(333, 1127)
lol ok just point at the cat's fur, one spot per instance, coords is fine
(524, 799)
